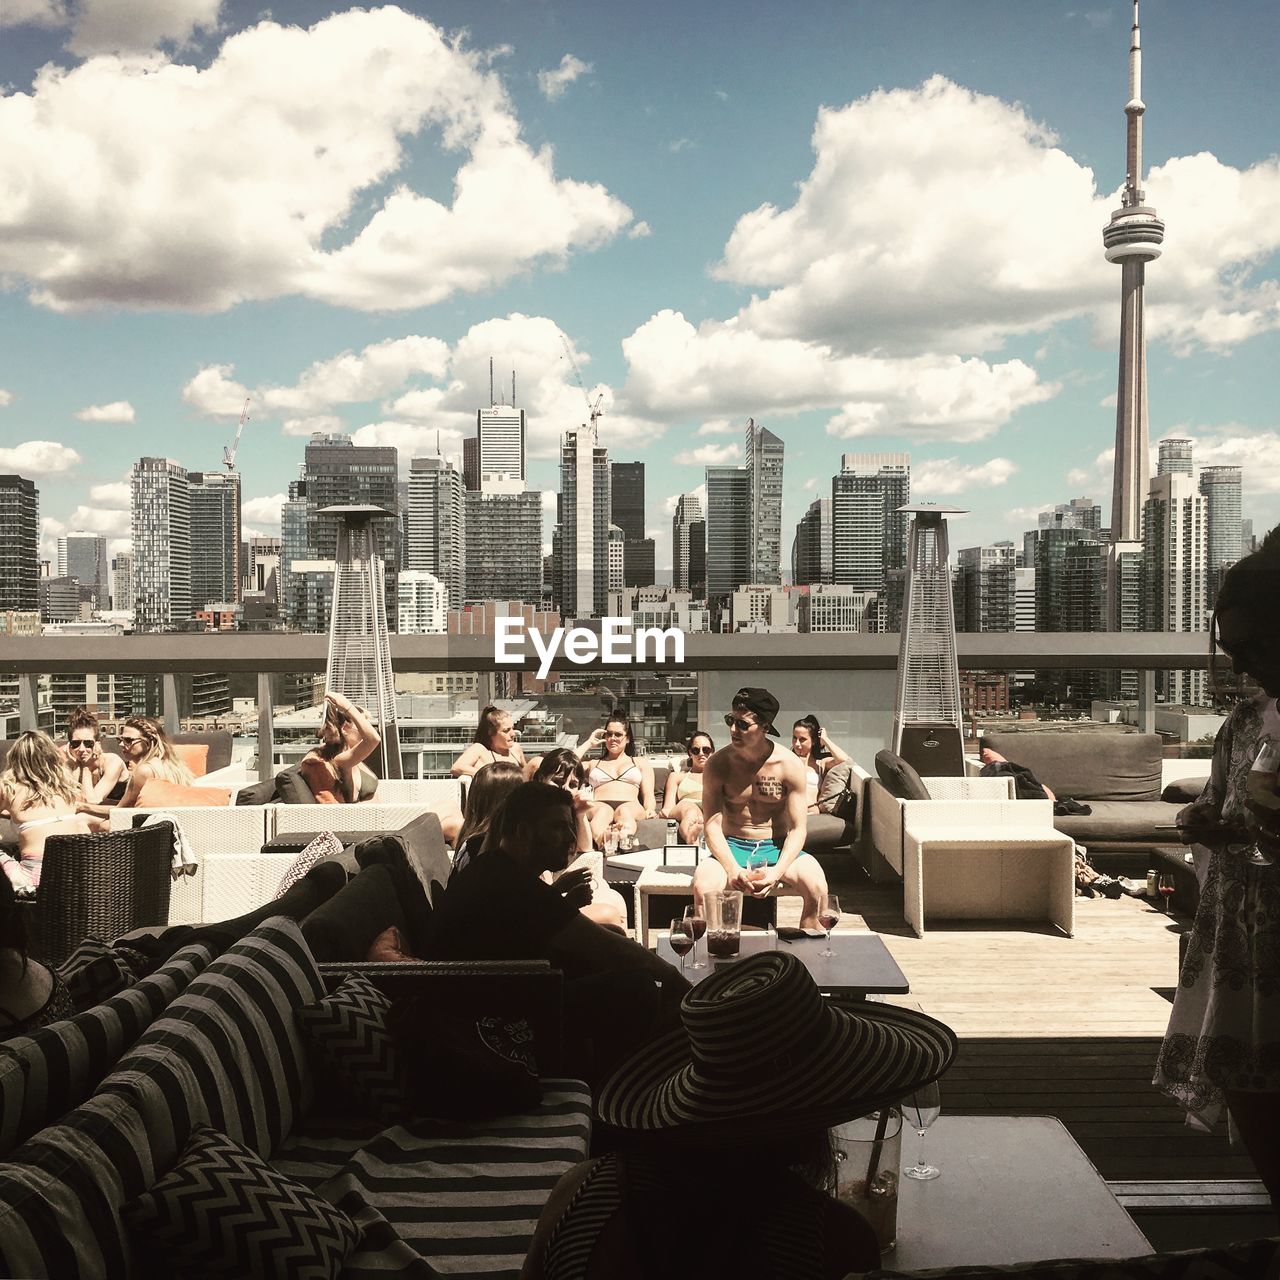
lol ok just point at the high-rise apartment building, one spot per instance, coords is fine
(764, 454)
(19, 543)
(689, 546)
(616, 554)
(293, 547)
(1079, 513)
(214, 498)
(83, 556)
(626, 480)
(583, 517)
(1176, 457)
(424, 603)
(122, 581)
(985, 588)
(811, 547)
(160, 517)
(471, 462)
(502, 533)
(1222, 490)
(436, 541)
(340, 473)
(826, 607)
(728, 537)
(868, 533)
(1175, 526)
(500, 441)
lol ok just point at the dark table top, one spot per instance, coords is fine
(862, 964)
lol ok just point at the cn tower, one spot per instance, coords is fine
(1132, 238)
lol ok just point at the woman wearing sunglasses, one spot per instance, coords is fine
(683, 797)
(150, 757)
(97, 773)
(622, 783)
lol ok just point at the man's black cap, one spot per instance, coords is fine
(761, 703)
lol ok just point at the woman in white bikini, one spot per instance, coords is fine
(817, 753)
(495, 739)
(96, 772)
(38, 793)
(683, 798)
(623, 784)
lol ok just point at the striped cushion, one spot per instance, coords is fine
(44, 1074)
(227, 1052)
(221, 1210)
(465, 1197)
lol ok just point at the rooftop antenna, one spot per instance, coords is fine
(513, 388)
(491, 399)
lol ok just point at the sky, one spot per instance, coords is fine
(870, 225)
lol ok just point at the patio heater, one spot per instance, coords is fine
(359, 664)
(926, 720)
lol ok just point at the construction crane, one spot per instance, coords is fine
(229, 454)
(594, 411)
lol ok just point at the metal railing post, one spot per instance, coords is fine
(266, 728)
(169, 701)
(485, 687)
(1146, 701)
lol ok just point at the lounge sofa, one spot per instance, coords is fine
(228, 1053)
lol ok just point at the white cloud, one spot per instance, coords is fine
(50, 531)
(677, 370)
(115, 494)
(265, 510)
(107, 26)
(681, 144)
(549, 503)
(639, 231)
(39, 458)
(939, 219)
(810, 485)
(1077, 476)
(718, 427)
(118, 411)
(6, 398)
(35, 13)
(552, 84)
(328, 423)
(214, 393)
(411, 440)
(1108, 402)
(275, 170)
(708, 455)
(107, 522)
(944, 477)
(669, 504)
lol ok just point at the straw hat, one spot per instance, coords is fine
(764, 1054)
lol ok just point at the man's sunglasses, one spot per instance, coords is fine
(742, 726)
(79, 744)
(699, 751)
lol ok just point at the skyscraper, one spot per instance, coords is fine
(471, 462)
(502, 533)
(1175, 561)
(83, 556)
(1176, 457)
(160, 511)
(436, 533)
(626, 481)
(122, 581)
(583, 517)
(19, 543)
(728, 531)
(764, 453)
(1225, 538)
(424, 603)
(986, 588)
(215, 532)
(1132, 238)
(811, 547)
(293, 551)
(689, 546)
(868, 533)
(500, 436)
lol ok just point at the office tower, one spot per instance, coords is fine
(728, 536)
(811, 549)
(424, 603)
(214, 498)
(263, 576)
(1024, 613)
(402, 522)
(500, 441)
(436, 539)
(1176, 457)
(502, 533)
(64, 599)
(1175, 522)
(827, 607)
(689, 546)
(341, 474)
(616, 553)
(122, 581)
(583, 518)
(764, 454)
(308, 602)
(294, 550)
(83, 556)
(985, 587)
(1050, 565)
(1083, 572)
(19, 543)
(1132, 238)
(160, 511)
(470, 463)
(868, 532)
(1225, 538)
(1248, 543)
(1079, 513)
(626, 480)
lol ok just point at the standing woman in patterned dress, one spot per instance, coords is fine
(1223, 1042)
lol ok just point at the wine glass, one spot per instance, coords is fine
(681, 939)
(697, 922)
(828, 918)
(1166, 886)
(1263, 791)
(920, 1109)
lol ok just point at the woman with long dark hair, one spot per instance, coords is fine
(495, 739)
(96, 772)
(622, 782)
(490, 786)
(817, 753)
(682, 799)
(334, 770)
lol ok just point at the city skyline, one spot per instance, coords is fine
(689, 277)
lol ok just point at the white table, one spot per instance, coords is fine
(1013, 1189)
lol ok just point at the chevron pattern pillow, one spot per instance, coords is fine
(222, 1211)
(348, 1031)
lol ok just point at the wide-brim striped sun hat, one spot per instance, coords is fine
(763, 1052)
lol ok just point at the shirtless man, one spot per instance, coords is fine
(754, 800)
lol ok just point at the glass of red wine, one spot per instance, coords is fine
(828, 918)
(1166, 887)
(681, 939)
(697, 926)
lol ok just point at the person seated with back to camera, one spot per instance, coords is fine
(682, 798)
(754, 801)
(621, 781)
(334, 770)
(31, 995)
(617, 994)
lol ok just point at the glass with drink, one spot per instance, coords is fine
(610, 841)
(828, 918)
(1263, 792)
(757, 865)
(698, 926)
(868, 1156)
(1166, 886)
(681, 940)
(724, 923)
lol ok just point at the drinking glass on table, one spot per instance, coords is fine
(610, 841)
(1166, 886)
(681, 939)
(697, 926)
(828, 918)
(1263, 791)
(920, 1109)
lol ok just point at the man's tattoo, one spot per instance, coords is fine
(770, 787)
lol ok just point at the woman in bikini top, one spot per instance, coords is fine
(683, 798)
(817, 753)
(495, 739)
(623, 785)
(39, 794)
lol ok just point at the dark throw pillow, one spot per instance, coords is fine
(222, 1211)
(899, 778)
(95, 971)
(835, 793)
(1183, 791)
